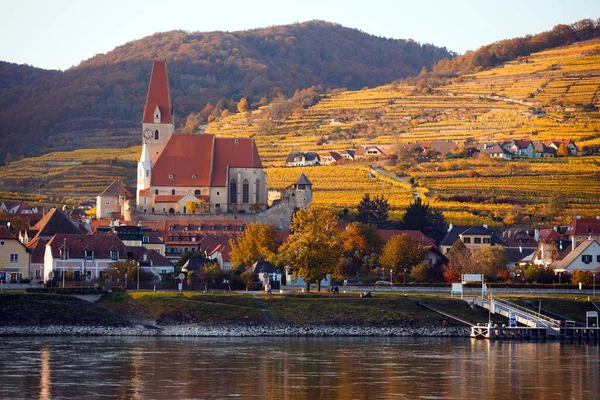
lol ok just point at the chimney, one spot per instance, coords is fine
(578, 217)
(145, 257)
(485, 226)
(140, 224)
(556, 228)
(536, 235)
(573, 243)
(450, 227)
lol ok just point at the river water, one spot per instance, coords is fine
(295, 368)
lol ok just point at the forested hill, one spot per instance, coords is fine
(43, 112)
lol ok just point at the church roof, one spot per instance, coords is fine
(158, 95)
(202, 160)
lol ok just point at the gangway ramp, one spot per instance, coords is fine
(523, 315)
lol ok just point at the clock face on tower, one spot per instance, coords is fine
(148, 134)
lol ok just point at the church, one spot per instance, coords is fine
(176, 171)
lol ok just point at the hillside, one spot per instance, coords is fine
(546, 95)
(101, 99)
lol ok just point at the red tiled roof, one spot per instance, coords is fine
(144, 192)
(158, 95)
(56, 222)
(77, 244)
(6, 234)
(167, 199)
(584, 227)
(235, 153)
(183, 157)
(387, 234)
(37, 247)
(522, 143)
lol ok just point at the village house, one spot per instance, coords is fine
(541, 150)
(474, 238)
(14, 257)
(442, 147)
(519, 244)
(111, 202)
(569, 143)
(582, 257)
(347, 154)
(90, 255)
(581, 229)
(331, 157)
(491, 149)
(520, 147)
(550, 243)
(300, 159)
(372, 151)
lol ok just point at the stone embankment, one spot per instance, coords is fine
(235, 331)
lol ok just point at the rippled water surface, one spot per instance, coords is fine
(295, 368)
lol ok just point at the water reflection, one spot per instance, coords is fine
(296, 368)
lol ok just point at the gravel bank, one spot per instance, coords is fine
(233, 331)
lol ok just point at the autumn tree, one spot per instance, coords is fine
(460, 256)
(360, 243)
(314, 247)
(257, 243)
(563, 150)
(242, 106)
(490, 261)
(193, 122)
(451, 273)
(557, 203)
(191, 207)
(118, 269)
(373, 211)
(402, 252)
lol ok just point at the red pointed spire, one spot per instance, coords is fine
(158, 95)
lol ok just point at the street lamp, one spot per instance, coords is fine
(391, 280)
(594, 285)
(138, 276)
(404, 275)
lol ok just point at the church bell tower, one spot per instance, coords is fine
(158, 121)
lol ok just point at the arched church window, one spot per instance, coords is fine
(197, 192)
(233, 191)
(257, 191)
(156, 134)
(156, 191)
(245, 192)
(173, 192)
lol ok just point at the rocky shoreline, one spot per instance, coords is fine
(197, 330)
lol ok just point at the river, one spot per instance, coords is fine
(295, 368)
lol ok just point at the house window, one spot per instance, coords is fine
(232, 191)
(241, 228)
(212, 228)
(477, 240)
(114, 255)
(257, 191)
(38, 273)
(467, 240)
(226, 228)
(199, 227)
(89, 255)
(586, 258)
(245, 192)
(486, 240)
(107, 201)
(64, 255)
(217, 193)
(117, 201)
(193, 238)
(163, 271)
(88, 275)
(301, 187)
(217, 205)
(156, 132)
(145, 239)
(186, 228)
(598, 258)
(14, 258)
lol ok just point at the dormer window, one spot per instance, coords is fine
(89, 255)
(146, 239)
(114, 255)
(241, 228)
(186, 228)
(226, 228)
(64, 254)
(171, 227)
(199, 227)
(212, 228)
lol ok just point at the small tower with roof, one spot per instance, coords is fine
(302, 191)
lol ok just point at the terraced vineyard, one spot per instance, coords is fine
(547, 95)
